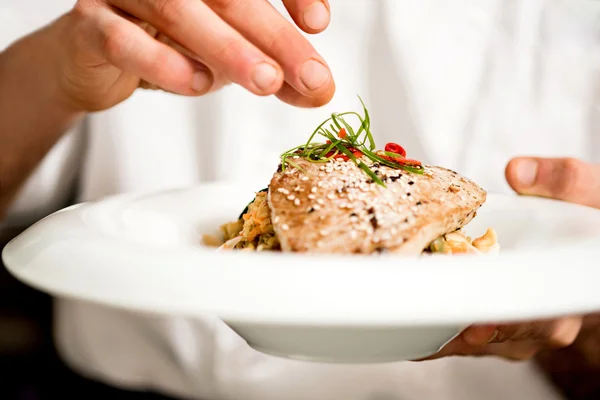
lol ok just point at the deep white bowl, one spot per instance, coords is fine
(144, 253)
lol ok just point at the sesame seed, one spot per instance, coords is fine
(323, 232)
(283, 190)
(304, 178)
(297, 189)
(276, 220)
(285, 227)
(353, 234)
(321, 202)
(331, 196)
(313, 190)
(291, 197)
(297, 202)
(312, 196)
(317, 207)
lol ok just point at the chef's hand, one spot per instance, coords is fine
(108, 48)
(563, 179)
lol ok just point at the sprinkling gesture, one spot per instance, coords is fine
(190, 47)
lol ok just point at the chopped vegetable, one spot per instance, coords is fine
(255, 227)
(400, 160)
(395, 148)
(246, 209)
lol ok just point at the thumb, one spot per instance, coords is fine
(564, 179)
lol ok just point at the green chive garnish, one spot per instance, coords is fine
(360, 139)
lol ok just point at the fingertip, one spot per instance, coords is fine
(326, 95)
(316, 17)
(320, 100)
(314, 78)
(312, 16)
(456, 347)
(291, 96)
(478, 336)
(202, 81)
(266, 79)
(509, 173)
(521, 173)
(565, 331)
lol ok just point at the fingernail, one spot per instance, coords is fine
(479, 336)
(201, 81)
(314, 75)
(316, 17)
(264, 76)
(526, 171)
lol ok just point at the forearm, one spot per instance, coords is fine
(33, 115)
(575, 370)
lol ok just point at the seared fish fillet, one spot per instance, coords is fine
(337, 208)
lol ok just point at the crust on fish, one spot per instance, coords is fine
(336, 208)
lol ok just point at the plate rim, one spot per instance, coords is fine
(337, 264)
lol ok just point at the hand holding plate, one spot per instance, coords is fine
(518, 341)
(563, 179)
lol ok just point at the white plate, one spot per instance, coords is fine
(144, 253)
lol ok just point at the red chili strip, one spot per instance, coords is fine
(401, 161)
(395, 148)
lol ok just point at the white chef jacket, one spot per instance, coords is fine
(465, 84)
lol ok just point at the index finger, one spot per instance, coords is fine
(198, 28)
(258, 21)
